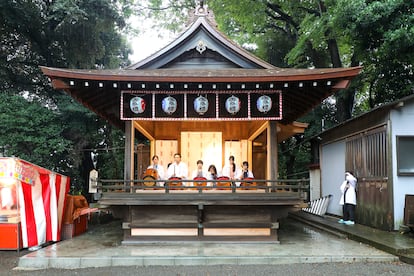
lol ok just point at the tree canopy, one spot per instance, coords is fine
(381, 34)
(42, 125)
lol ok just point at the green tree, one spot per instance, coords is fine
(88, 133)
(381, 34)
(81, 34)
(59, 33)
(33, 132)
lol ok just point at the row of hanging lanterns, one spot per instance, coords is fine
(201, 104)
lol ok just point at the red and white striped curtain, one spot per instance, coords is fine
(42, 207)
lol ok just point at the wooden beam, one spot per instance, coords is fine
(259, 130)
(59, 84)
(144, 130)
(342, 84)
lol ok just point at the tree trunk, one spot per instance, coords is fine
(344, 98)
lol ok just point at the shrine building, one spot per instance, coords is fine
(207, 98)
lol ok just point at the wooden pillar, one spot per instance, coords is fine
(129, 151)
(272, 158)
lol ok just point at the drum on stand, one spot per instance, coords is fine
(248, 182)
(200, 181)
(149, 176)
(175, 182)
(223, 185)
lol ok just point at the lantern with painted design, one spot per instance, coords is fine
(233, 105)
(201, 105)
(264, 104)
(169, 105)
(137, 105)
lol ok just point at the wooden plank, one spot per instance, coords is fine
(176, 224)
(229, 224)
(250, 195)
(136, 240)
(237, 215)
(237, 232)
(159, 232)
(163, 215)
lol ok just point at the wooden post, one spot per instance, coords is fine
(272, 158)
(129, 152)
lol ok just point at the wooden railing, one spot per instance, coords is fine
(298, 186)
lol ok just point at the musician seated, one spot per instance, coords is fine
(212, 174)
(231, 170)
(199, 172)
(245, 173)
(159, 168)
(177, 169)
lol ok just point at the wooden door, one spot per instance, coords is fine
(366, 157)
(373, 204)
(143, 159)
(259, 156)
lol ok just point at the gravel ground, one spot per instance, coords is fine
(9, 260)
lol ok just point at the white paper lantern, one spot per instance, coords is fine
(201, 105)
(233, 105)
(137, 105)
(264, 104)
(169, 105)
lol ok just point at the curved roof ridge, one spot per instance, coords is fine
(202, 21)
(274, 74)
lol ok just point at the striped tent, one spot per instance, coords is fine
(39, 196)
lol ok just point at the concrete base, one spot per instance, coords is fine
(101, 247)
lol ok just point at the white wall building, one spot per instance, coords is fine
(378, 147)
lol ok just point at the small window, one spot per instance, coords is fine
(405, 155)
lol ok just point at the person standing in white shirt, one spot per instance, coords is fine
(177, 168)
(348, 199)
